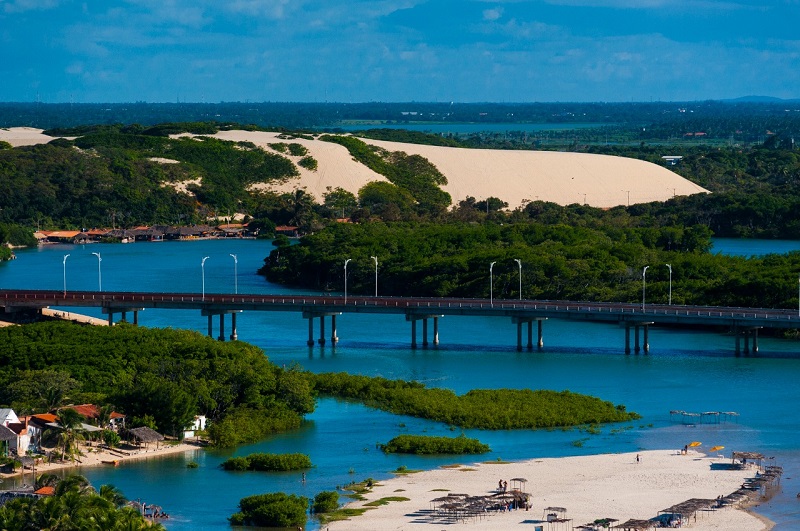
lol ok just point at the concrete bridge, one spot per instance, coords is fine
(744, 322)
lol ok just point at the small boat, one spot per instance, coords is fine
(112, 462)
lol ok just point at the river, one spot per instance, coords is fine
(685, 370)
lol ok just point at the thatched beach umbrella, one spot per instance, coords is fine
(146, 435)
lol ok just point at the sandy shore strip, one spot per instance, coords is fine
(588, 487)
(97, 456)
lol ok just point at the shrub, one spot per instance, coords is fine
(268, 462)
(271, 510)
(325, 502)
(309, 163)
(424, 444)
(111, 438)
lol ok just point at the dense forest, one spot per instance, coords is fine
(158, 378)
(592, 261)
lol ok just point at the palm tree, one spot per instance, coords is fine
(70, 422)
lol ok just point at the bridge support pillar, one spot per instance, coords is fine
(637, 346)
(627, 338)
(747, 341)
(755, 340)
(321, 339)
(210, 326)
(311, 315)
(540, 341)
(221, 327)
(234, 334)
(124, 311)
(527, 320)
(413, 318)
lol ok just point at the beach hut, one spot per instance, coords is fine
(520, 484)
(636, 525)
(146, 435)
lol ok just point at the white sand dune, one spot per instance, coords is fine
(588, 487)
(515, 177)
(24, 136)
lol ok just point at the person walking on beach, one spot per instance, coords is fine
(637, 458)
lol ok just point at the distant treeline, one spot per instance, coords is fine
(719, 119)
(591, 258)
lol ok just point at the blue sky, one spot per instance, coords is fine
(398, 50)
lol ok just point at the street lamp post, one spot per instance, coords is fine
(235, 274)
(375, 259)
(64, 263)
(629, 196)
(491, 283)
(345, 280)
(203, 270)
(99, 273)
(670, 283)
(519, 263)
(644, 284)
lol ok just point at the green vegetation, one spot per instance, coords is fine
(166, 376)
(586, 260)
(498, 409)
(271, 510)
(74, 506)
(386, 501)
(309, 163)
(268, 462)
(412, 174)
(424, 445)
(325, 502)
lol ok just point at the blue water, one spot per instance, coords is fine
(747, 247)
(686, 370)
(466, 128)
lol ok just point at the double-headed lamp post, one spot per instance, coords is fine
(491, 283)
(345, 280)
(235, 274)
(670, 282)
(644, 284)
(64, 263)
(99, 273)
(203, 270)
(519, 263)
(375, 259)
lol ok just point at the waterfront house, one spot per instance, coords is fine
(199, 423)
(15, 432)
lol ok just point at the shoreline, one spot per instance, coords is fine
(588, 488)
(95, 456)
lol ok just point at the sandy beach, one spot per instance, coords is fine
(588, 487)
(96, 456)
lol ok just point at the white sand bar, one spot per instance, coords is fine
(588, 487)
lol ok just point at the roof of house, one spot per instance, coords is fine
(6, 434)
(146, 435)
(7, 414)
(45, 417)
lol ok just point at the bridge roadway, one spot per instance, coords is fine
(744, 322)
